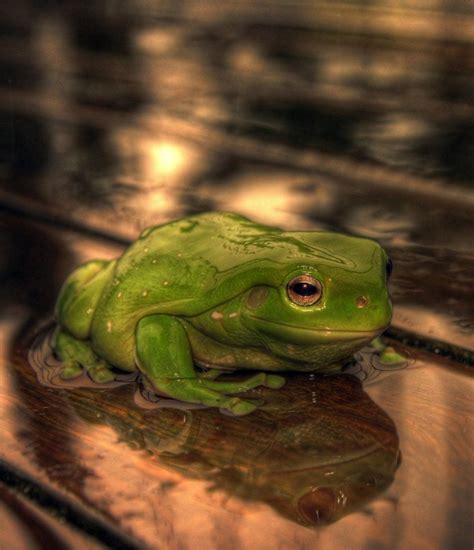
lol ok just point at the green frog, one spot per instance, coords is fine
(211, 293)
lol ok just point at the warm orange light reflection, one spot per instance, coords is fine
(166, 158)
(277, 198)
(431, 324)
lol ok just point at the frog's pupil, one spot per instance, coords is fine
(304, 289)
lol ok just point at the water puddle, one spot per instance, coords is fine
(318, 449)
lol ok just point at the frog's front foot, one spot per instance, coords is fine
(194, 390)
(261, 379)
(217, 393)
(239, 407)
(164, 356)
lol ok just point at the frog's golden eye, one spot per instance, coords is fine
(304, 290)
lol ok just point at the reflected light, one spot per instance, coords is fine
(377, 222)
(431, 324)
(166, 158)
(157, 41)
(276, 198)
(152, 159)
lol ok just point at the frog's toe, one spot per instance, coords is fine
(240, 407)
(391, 357)
(274, 381)
(70, 369)
(100, 373)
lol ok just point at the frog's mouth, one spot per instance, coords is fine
(307, 335)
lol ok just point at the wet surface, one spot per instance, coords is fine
(316, 451)
(352, 117)
(32, 528)
(179, 475)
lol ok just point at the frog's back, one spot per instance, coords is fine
(180, 268)
(186, 267)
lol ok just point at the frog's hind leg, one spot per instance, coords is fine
(79, 296)
(77, 355)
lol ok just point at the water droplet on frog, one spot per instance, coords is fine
(146, 249)
(362, 301)
(89, 311)
(154, 261)
(119, 295)
(115, 282)
(145, 293)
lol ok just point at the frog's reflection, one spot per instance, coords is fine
(318, 449)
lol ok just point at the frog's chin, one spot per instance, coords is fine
(306, 335)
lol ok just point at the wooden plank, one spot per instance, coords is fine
(150, 471)
(25, 526)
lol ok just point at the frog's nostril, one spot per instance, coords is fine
(362, 301)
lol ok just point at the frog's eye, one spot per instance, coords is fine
(389, 267)
(304, 290)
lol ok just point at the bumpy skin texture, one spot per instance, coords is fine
(212, 290)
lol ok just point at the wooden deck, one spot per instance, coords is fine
(339, 116)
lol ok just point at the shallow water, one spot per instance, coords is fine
(317, 450)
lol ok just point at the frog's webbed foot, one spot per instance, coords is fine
(70, 369)
(100, 372)
(390, 356)
(78, 356)
(387, 354)
(164, 356)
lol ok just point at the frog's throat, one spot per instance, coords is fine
(306, 335)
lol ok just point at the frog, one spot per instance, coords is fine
(211, 293)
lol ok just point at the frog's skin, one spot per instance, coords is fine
(212, 290)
